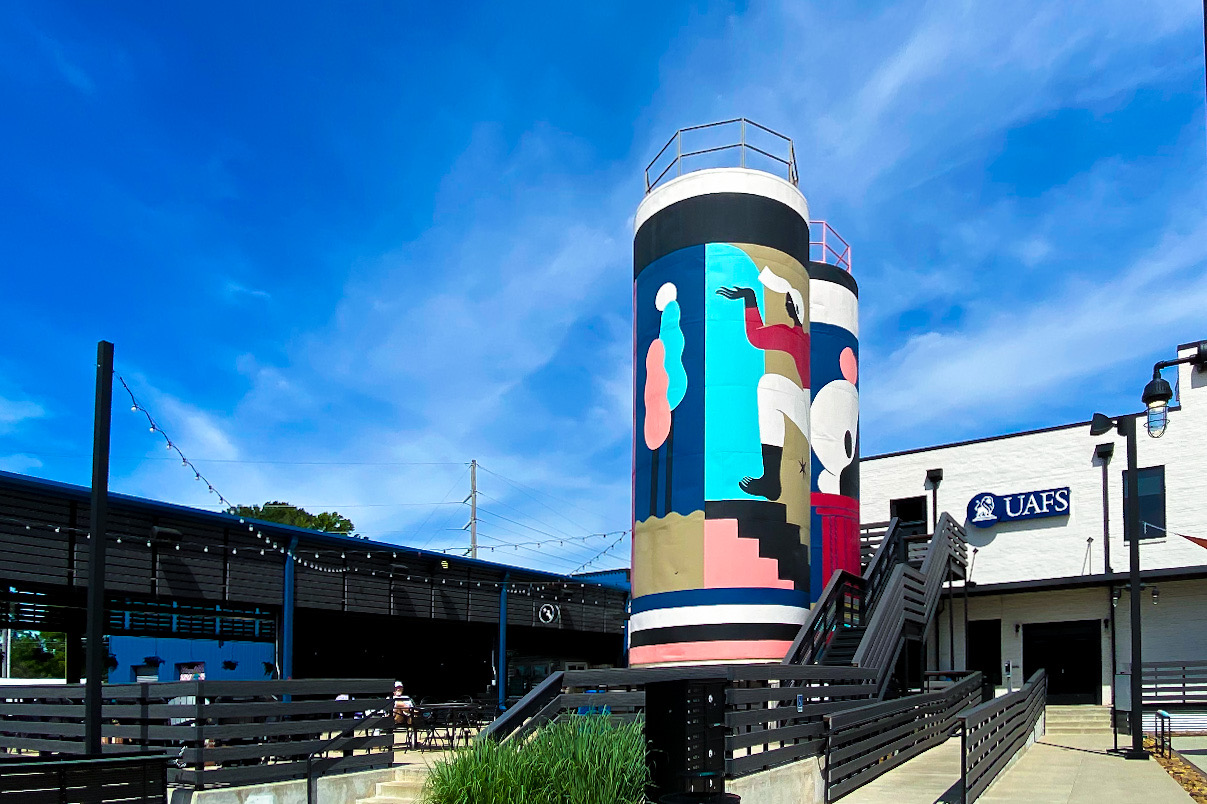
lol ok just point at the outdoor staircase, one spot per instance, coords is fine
(405, 789)
(865, 621)
(841, 649)
(1078, 720)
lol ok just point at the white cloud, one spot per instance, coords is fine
(19, 463)
(1026, 356)
(15, 412)
(235, 291)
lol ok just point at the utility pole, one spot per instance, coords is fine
(473, 508)
(98, 528)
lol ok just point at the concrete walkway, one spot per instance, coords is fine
(1065, 768)
(1194, 749)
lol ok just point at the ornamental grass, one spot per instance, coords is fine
(587, 759)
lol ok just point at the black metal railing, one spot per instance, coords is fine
(995, 731)
(867, 741)
(841, 606)
(135, 779)
(910, 598)
(232, 732)
(889, 552)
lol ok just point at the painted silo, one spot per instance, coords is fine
(834, 418)
(721, 463)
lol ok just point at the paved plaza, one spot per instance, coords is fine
(1060, 769)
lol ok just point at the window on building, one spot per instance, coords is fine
(1151, 481)
(912, 513)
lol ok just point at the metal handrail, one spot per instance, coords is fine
(888, 552)
(885, 633)
(325, 747)
(826, 615)
(841, 259)
(741, 145)
(526, 707)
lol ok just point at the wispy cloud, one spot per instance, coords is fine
(236, 291)
(20, 463)
(14, 412)
(1019, 359)
(68, 70)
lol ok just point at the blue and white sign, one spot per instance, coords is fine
(986, 510)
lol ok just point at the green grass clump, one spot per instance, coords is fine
(587, 759)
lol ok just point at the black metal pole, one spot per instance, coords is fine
(94, 664)
(1110, 600)
(1128, 425)
(1106, 513)
(951, 622)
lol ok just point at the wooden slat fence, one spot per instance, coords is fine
(224, 732)
(867, 741)
(138, 779)
(774, 713)
(994, 732)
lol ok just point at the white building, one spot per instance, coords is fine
(1042, 585)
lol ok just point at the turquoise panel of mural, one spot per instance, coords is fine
(732, 371)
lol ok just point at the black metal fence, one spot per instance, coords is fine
(223, 732)
(867, 741)
(995, 731)
(139, 779)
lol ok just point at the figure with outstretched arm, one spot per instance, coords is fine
(780, 399)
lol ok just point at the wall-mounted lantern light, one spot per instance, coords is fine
(1157, 394)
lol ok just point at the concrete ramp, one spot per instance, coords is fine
(932, 776)
(1059, 769)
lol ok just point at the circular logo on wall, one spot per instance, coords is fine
(982, 509)
(548, 613)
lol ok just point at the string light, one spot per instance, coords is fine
(169, 444)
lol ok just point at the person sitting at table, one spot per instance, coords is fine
(404, 707)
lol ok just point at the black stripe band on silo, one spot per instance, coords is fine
(721, 218)
(832, 273)
(713, 632)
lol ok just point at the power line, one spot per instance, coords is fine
(521, 524)
(432, 513)
(522, 512)
(527, 489)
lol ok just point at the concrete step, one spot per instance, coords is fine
(406, 788)
(399, 788)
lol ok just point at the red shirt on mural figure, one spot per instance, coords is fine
(779, 338)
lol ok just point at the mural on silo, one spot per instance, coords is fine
(722, 464)
(834, 327)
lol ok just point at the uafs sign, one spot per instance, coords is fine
(986, 510)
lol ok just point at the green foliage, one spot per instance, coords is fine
(589, 759)
(38, 654)
(286, 514)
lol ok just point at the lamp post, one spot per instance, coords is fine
(1156, 397)
(1126, 427)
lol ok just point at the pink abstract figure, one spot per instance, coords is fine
(657, 407)
(848, 365)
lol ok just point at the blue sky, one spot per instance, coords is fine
(342, 252)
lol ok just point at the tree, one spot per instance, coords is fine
(38, 654)
(286, 514)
